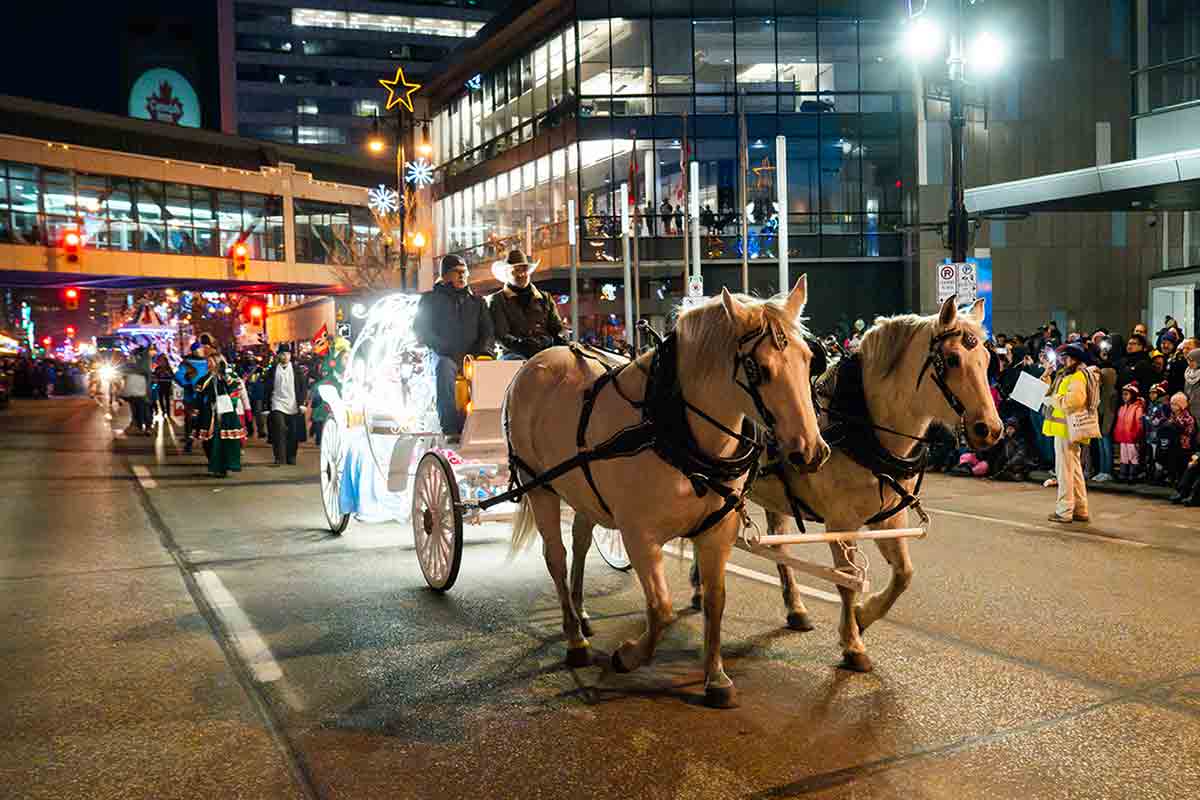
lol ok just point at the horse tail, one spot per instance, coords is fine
(524, 527)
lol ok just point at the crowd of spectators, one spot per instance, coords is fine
(1149, 405)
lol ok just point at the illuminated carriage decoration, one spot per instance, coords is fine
(382, 444)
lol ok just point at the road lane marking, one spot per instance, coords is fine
(143, 476)
(250, 645)
(762, 577)
(1061, 531)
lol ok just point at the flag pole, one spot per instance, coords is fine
(743, 164)
(683, 183)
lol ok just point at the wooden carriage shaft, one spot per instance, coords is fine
(846, 579)
(844, 536)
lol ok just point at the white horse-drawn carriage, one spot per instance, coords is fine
(384, 458)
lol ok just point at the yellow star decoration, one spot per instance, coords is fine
(400, 91)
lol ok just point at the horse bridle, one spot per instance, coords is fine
(940, 362)
(755, 375)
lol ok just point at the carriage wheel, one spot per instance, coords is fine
(331, 476)
(611, 547)
(437, 521)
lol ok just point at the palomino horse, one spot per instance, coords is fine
(914, 370)
(735, 357)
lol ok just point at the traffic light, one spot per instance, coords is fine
(71, 299)
(46, 342)
(72, 245)
(240, 254)
(256, 312)
(70, 331)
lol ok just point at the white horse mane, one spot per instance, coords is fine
(707, 328)
(886, 342)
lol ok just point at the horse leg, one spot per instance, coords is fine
(581, 535)
(646, 556)
(694, 577)
(712, 552)
(877, 605)
(854, 652)
(547, 510)
(797, 614)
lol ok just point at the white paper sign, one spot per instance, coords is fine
(695, 286)
(1029, 391)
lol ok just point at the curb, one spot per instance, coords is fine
(1113, 487)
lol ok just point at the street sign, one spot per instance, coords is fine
(695, 287)
(947, 281)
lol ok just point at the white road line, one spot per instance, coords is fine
(143, 476)
(250, 645)
(1061, 531)
(762, 577)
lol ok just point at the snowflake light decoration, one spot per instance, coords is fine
(383, 200)
(419, 173)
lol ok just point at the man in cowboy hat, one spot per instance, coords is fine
(453, 323)
(526, 319)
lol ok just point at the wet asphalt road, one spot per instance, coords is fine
(168, 635)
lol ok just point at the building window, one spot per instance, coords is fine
(392, 23)
(366, 108)
(319, 134)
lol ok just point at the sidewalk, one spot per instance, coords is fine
(1114, 487)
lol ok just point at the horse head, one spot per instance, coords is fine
(959, 365)
(773, 365)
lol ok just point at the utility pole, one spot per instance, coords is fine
(957, 221)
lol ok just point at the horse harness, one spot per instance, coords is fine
(855, 433)
(664, 428)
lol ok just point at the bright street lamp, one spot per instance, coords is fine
(923, 39)
(986, 54)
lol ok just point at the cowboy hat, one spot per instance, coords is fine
(502, 270)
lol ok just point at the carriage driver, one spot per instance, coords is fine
(526, 319)
(453, 323)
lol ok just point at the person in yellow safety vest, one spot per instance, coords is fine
(1068, 394)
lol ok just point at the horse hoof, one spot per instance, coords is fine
(799, 621)
(617, 664)
(720, 697)
(578, 657)
(697, 601)
(585, 625)
(857, 662)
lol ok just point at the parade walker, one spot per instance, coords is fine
(383, 455)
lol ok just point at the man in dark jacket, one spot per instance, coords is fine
(526, 320)
(284, 393)
(453, 323)
(1137, 367)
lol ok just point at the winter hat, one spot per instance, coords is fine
(1075, 350)
(1132, 387)
(1172, 335)
(1193, 357)
(283, 348)
(1160, 387)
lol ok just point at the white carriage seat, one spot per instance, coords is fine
(483, 432)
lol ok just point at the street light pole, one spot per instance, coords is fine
(957, 221)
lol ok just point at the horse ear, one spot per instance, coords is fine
(798, 297)
(949, 311)
(732, 307)
(977, 310)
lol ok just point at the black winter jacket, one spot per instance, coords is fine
(453, 322)
(526, 322)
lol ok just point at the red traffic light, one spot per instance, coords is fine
(70, 331)
(240, 253)
(47, 341)
(240, 249)
(71, 239)
(256, 311)
(72, 243)
(72, 294)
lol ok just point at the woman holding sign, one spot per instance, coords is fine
(1068, 395)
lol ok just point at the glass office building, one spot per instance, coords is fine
(629, 92)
